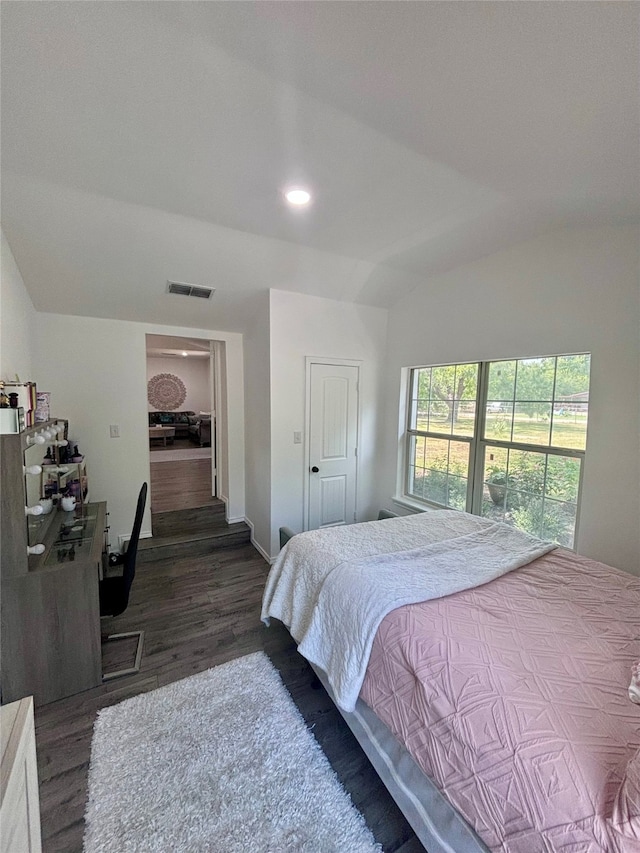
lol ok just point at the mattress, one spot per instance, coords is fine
(512, 697)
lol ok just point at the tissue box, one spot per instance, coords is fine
(43, 407)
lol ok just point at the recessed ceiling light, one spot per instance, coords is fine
(298, 196)
(185, 354)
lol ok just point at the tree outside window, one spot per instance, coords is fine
(503, 439)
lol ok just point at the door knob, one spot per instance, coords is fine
(315, 469)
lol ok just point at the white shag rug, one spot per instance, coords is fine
(221, 762)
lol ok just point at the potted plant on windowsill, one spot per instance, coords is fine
(497, 485)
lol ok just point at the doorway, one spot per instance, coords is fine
(332, 442)
(181, 378)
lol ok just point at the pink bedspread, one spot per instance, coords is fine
(513, 699)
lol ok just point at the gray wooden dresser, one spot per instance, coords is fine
(50, 612)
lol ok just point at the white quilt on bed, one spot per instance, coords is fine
(333, 605)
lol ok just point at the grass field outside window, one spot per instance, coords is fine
(503, 439)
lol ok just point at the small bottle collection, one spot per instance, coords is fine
(74, 489)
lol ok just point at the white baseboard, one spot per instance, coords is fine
(232, 520)
(123, 541)
(261, 551)
(256, 544)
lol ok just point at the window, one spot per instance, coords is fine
(501, 439)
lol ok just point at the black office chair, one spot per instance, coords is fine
(114, 591)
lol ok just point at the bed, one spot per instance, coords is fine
(490, 690)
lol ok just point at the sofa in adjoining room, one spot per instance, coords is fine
(178, 420)
(200, 430)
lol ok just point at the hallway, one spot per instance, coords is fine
(183, 484)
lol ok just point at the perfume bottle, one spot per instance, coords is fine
(50, 488)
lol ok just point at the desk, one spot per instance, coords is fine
(163, 432)
(51, 613)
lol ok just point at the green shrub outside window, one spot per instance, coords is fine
(502, 439)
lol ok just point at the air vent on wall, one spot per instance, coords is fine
(182, 289)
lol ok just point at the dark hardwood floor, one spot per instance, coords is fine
(156, 447)
(198, 612)
(183, 484)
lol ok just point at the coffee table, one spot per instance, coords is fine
(163, 432)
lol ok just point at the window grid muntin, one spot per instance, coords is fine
(478, 444)
(411, 468)
(412, 410)
(454, 401)
(514, 403)
(544, 498)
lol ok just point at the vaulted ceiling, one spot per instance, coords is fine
(147, 141)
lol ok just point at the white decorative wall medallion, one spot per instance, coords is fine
(166, 392)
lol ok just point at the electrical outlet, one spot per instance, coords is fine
(114, 431)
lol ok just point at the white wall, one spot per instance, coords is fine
(195, 374)
(257, 402)
(311, 326)
(17, 322)
(96, 371)
(570, 291)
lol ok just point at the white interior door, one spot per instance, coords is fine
(332, 440)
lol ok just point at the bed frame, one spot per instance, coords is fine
(438, 826)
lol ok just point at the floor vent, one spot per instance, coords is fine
(182, 289)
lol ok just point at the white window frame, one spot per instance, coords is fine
(477, 444)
